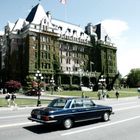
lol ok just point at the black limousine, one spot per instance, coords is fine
(67, 111)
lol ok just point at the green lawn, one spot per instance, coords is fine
(123, 93)
(23, 102)
(27, 102)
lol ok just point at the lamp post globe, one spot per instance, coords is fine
(102, 81)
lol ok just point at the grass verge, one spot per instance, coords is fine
(23, 102)
(32, 102)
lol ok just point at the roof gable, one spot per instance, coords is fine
(31, 15)
(36, 15)
(18, 24)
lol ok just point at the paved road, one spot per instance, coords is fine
(124, 125)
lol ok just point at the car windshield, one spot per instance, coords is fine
(58, 103)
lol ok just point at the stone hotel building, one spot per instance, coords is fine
(58, 49)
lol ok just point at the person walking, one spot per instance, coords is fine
(138, 92)
(7, 98)
(13, 97)
(117, 94)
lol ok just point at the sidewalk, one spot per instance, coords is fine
(51, 97)
(48, 97)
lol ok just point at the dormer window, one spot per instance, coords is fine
(44, 21)
(81, 33)
(74, 31)
(69, 30)
(60, 28)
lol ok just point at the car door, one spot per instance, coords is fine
(77, 109)
(91, 110)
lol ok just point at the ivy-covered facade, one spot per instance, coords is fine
(68, 53)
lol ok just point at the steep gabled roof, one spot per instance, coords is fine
(31, 15)
(36, 15)
(19, 24)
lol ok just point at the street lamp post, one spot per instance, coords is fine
(90, 74)
(52, 82)
(80, 75)
(102, 81)
(91, 63)
(38, 77)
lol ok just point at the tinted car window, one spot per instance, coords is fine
(88, 103)
(77, 103)
(68, 104)
(58, 103)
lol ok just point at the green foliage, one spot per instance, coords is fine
(23, 102)
(133, 79)
(28, 82)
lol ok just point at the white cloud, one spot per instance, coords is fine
(114, 28)
(128, 60)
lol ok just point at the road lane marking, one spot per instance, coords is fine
(100, 126)
(126, 108)
(25, 115)
(119, 104)
(15, 116)
(16, 124)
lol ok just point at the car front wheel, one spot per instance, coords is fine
(106, 116)
(67, 123)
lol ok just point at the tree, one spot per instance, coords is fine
(133, 78)
(12, 85)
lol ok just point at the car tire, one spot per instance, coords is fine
(67, 123)
(106, 116)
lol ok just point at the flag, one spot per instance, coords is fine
(63, 1)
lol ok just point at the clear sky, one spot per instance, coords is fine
(120, 17)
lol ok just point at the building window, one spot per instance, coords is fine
(49, 47)
(42, 65)
(36, 46)
(35, 54)
(61, 52)
(82, 49)
(45, 65)
(53, 48)
(54, 56)
(68, 61)
(35, 65)
(67, 68)
(46, 55)
(44, 20)
(61, 60)
(42, 55)
(77, 62)
(41, 47)
(49, 56)
(77, 54)
(66, 53)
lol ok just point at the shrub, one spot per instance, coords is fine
(12, 86)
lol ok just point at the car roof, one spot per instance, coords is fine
(71, 98)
